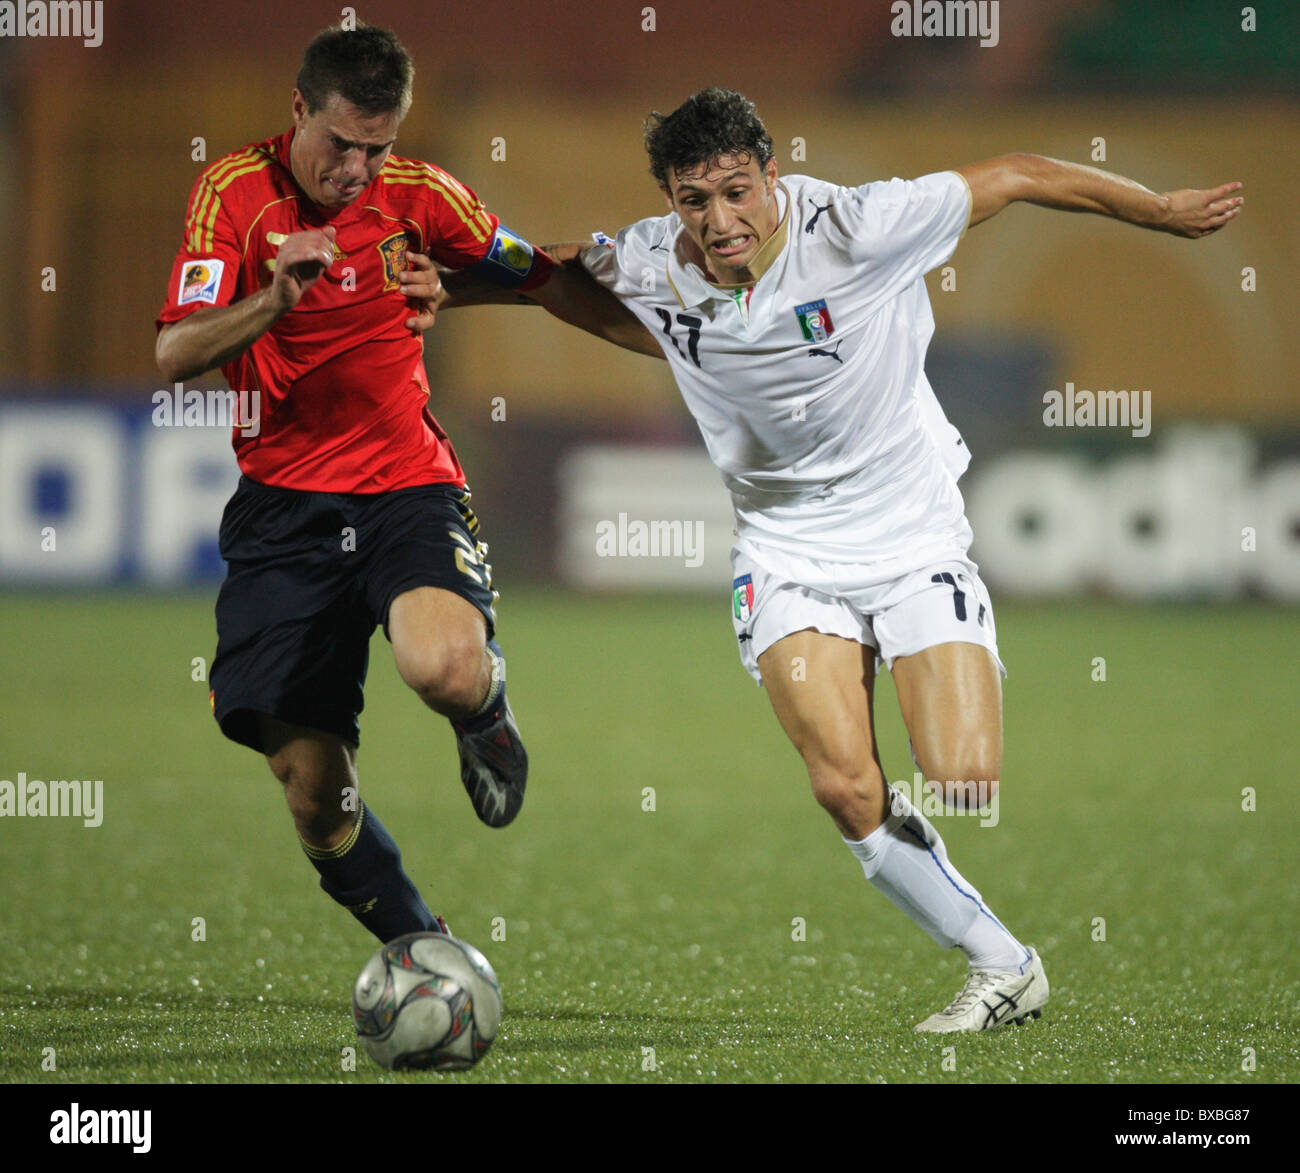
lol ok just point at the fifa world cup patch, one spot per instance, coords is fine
(200, 281)
(393, 251)
(742, 597)
(815, 320)
(509, 259)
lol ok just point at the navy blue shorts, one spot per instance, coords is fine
(309, 577)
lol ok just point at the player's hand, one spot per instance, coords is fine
(300, 261)
(1194, 213)
(420, 282)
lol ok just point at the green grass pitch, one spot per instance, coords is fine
(656, 946)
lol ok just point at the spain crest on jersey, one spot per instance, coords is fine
(393, 251)
(742, 597)
(815, 320)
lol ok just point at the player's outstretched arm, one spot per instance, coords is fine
(571, 294)
(212, 336)
(1073, 187)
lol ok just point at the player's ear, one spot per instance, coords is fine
(668, 195)
(769, 175)
(299, 108)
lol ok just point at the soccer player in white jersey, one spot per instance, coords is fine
(795, 317)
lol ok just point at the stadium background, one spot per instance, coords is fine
(538, 107)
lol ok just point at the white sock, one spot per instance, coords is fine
(905, 858)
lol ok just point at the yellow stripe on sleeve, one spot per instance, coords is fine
(206, 234)
(478, 223)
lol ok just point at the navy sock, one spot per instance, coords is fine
(494, 704)
(364, 874)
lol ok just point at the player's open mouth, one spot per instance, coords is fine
(732, 246)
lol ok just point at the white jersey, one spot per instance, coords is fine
(809, 386)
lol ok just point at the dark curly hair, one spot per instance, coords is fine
(366, 66)
(708, 124)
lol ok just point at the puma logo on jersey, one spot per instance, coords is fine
(811, 226)
(833, 353)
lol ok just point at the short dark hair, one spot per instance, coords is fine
(708, 124)
(366, 66)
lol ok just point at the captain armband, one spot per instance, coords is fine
(512, 263)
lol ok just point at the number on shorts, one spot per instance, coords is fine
(468, 561)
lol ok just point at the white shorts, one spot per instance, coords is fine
(944, 603)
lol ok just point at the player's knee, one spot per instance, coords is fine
(850, 793)
(969, 785)
(285, 765)
(449, 676)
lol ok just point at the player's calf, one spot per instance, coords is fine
(359, 864)
(905, 858)
(315, 769)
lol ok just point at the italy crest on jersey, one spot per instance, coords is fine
(742, 598)
(815, 320)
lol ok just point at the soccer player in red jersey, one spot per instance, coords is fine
(307, 274)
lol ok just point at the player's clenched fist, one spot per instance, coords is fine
(301, 259)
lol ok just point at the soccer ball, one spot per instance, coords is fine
(427, 1000)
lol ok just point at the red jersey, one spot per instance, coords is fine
(341, 392)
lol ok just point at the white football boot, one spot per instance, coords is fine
(989, 1000)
